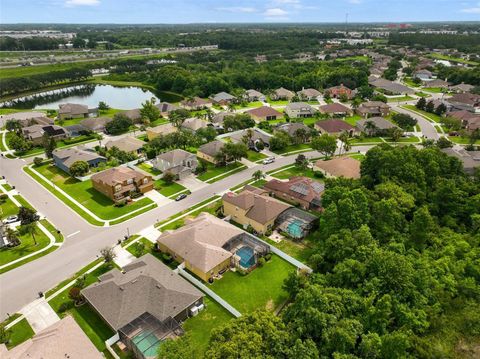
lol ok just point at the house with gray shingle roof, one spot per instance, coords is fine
(223, 98)
(179, 162)
(299, 109)
(63, 159)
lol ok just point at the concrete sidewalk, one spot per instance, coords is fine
(123, 257)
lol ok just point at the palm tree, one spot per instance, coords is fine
(258, 175)
(345, 138)
(370, 128)
(209, 113)
(31, 229)
(231, 106)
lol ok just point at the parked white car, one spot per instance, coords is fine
(11, 219)
(268, 160)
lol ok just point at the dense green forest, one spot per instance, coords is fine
(466, 43)
(396, 270)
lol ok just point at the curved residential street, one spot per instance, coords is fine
(83, 241)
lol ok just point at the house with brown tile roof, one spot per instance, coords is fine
(339, 167)
(134, 115)
(264, 113)
(209, 150)
(254, 95)
(196, 103)
(120, 182)
(466, 101)
(159, 130)
(282, 94)
(64, 339)
(206, 245)
(338, 91)
(165, 108)
(336, 127)
(194, 124)
(373, 108)
(302, 191)
(335, 109)
(127, 144)
(309, 94)
(72, 110)
(96, 124)
(250, 208)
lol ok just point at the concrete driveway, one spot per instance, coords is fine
(39, 314)
(192, 183)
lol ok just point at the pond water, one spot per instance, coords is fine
(124, 98)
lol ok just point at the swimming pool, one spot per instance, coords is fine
(247, 256)
(147, 343)
(295, 229)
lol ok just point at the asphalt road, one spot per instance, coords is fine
(83, 241)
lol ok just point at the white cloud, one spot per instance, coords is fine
(472, 10)
(238, 9)
(355, 2)
(275, 12)
(71, 3)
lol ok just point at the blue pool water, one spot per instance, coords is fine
(247, 256)
(147, 343)
(295, 229)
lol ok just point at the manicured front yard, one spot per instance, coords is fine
(430, 116)
(150, 169)
(255, 156)
(293, 172)
(27, 246)
(260, 289)
(352, 120)
(200, 328)
(168, 189)
(364, 140)
(462, 140)
(19, 333)
(7, 208)
(302, 147)
(214, 171)
(400, 99)
(90, 322)
(85, 194)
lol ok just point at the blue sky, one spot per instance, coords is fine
(207, 11)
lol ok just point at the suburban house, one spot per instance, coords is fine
(302, 191)
(335, 109)
(339, 91)
(208, 246)
(264, 113)
(126, 144)
(470, 121)
(165, 108)
(209, 150)
(72, 110)
(35, 133)
(465, 101)
(223, 98)
(219, 117)
(95, 124)
(61, 340)
(134, 115)
(309, 94)
(196, 103)
(347, 167)
(299, 110)
(373, 108)
(292, 127)
(120, 182)
(254, 95)
(470, 159)
(437, 83)
(26, 118)
(179, 162)
(254, 135)
(160, 130)
(390, 87)
(194, 124)
(378, 126)
(335, 127)
(75, 130)
(423, 75)
(145, 303)
(462, 88)
(63, 159)
(254, 208)
(282, 94)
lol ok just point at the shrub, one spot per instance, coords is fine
(121, 203)
(261, 262)
(65, 306)
(318, 174)
(268, 256)
(3, 198)
(167, 257)
(37, 161)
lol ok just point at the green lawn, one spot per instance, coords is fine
(422, 94)
(147, 168)
(137, 251)
(352, 120)
(253, 104)
(430, 116)
(260, 289)
(278, 103)
(7, 187)
(90, 322)
(453, 59)
(400, 99)
(19, 333)
(27, 246)
(213, 171)
(200, 328)
(462, 140)
(58, 236)
(294, 171)
(361, 141)
(254, 156)
(168, 189)
(297, 250)
(84, 193)
(302, 147)
(434, 89)
(7, 208)
(409, 82)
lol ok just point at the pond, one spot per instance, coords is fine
(123, 98)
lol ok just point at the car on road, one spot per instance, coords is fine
(180, 197)
(11, 219)
(268, 160)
